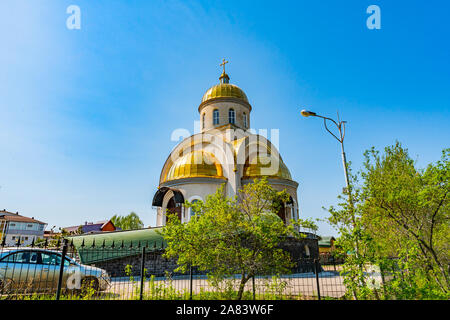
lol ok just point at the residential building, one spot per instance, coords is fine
(326, 244)
(15, 229)
(91, 227)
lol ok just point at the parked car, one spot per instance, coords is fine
(36, 270)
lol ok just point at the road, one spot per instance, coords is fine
(299, 286)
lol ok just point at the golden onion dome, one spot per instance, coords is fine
(197, 163)
(224, 90)
(266, 166)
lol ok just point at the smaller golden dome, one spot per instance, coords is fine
(263, 168)
(224, 90)
(195, 164)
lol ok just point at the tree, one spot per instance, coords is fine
(400, 221)
(354, 243)
(232, 236)
(412, 206)
(129, 222)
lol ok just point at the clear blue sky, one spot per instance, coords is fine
(86, 115)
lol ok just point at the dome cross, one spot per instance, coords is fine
(224, 78)
(224, 62)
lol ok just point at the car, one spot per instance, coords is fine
(35, 270)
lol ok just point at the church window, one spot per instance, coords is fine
(193, 212)
(216, 117)
(203, 121)
(307, 252)
(231, 116)
(245, 120)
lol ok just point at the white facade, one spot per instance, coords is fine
(16, 229)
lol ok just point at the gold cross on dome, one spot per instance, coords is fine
(224, 62)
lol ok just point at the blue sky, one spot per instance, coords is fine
(86, 115)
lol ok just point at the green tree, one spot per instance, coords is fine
(233, 236)
(354, 243)
(406, 211)
(128, 222)
(400, 221)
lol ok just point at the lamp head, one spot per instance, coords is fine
(307, 113)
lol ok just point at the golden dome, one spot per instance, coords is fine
(195, 164)
(224, 90)
(263, 167)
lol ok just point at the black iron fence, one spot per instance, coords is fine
(60, 270)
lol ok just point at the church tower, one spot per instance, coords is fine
(224, 104)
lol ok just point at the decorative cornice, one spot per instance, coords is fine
(204, 180)
(224, 99)
(273, 180)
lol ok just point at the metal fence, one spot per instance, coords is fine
(127, 272)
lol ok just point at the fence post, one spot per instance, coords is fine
(383, 283)
(61, 269)
(316, 269)
(142, 273)
(191, 278)
(254, 289)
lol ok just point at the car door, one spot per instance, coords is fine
(51, 264)
(19, 268)
(50, 269)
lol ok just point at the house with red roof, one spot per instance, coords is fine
(91, 227)
(17, 229)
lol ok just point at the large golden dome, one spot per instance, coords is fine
(197, 163)
(261, 167)
(224, 90)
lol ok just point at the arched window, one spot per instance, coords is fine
(192, 211)
(307, 252)
(282, 212)
(203, 121)
(215, 117)
(245, 120)
(231, 116)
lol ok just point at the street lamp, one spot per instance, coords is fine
(341, 127)
(307, 113)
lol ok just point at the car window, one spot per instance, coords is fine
(21, 257)
(33, 257)
(50, 258)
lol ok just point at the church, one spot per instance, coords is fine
(226, 151)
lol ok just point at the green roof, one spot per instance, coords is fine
(325, 241)
(99, 247)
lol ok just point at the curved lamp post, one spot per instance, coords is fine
(341, 127)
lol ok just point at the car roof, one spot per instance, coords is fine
(7, 250)
(11, 249)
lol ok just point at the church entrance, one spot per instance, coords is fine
(175, 200)
(172, 207)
